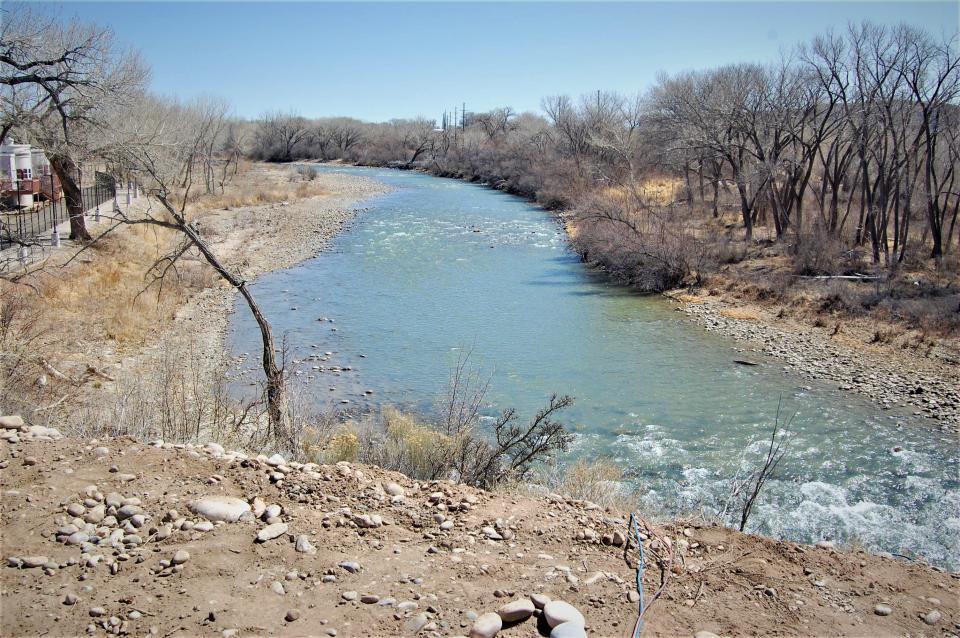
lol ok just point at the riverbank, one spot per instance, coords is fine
(925, 385)
(255, 240)
(89, 341)
(93, 546)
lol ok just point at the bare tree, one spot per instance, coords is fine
(163, 142)
(280, 136)
(416, 137)
(60, 82)
(496, 123)
(932, 71)
(514, 448)
(745, 491)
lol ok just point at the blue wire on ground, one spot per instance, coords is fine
(643, 559)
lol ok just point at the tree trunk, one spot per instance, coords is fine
(276, 391)
(66, 170)
(276, 387)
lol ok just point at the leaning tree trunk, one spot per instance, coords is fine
(276, 391)
(276, 387)
(66, 170)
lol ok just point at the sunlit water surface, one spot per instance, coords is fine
(438, 266)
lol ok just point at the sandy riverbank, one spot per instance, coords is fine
(254, 240)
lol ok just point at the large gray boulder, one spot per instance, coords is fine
(219, 508)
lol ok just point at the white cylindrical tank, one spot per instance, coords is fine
(22, 164)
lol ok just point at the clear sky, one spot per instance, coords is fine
(376, 61)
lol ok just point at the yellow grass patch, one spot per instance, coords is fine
(653, 190)
(741, 314)
(255, 186)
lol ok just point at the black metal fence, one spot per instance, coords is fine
(25, 224)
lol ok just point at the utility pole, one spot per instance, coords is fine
(463, 117)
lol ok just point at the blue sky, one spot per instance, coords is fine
(375, 61)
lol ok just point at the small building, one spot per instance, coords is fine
(26, 176)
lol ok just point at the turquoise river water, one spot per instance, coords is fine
(438, 266)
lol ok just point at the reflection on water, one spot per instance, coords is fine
(439, 265)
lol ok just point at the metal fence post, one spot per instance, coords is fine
(53, 202)
(19, 212)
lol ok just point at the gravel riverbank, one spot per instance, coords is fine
(254, 240)
(925, 387)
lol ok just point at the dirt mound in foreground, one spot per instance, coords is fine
(351, 550)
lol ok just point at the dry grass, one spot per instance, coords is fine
(97, 306)
(658, 191)
(257, 185)
(104, 295)
(596, 481)
(741, 314)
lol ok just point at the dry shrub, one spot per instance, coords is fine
(393, 440)
(649, 247)
(730, 251)
(25, 339)
(819, 252)
(429, 449)
(882, 336)
(307, 173)
(600, 481)
(344, 445)
(839, 298)
(596, 481)
(258, 185)
(181, 398)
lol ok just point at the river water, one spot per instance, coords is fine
(439, 266)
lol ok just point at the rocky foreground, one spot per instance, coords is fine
(126, 538)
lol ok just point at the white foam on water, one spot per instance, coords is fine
(914, 461)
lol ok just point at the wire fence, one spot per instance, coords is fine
(24, 224)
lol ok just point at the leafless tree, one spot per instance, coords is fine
(744, 491)
(496, 123)
(60, 83)
(163, 143)
(931, 70)
(515, 447)
(280, 136)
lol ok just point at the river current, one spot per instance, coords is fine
(438, 267)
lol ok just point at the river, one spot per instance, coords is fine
(439, 267)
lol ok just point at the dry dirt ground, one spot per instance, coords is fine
(417, 564)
